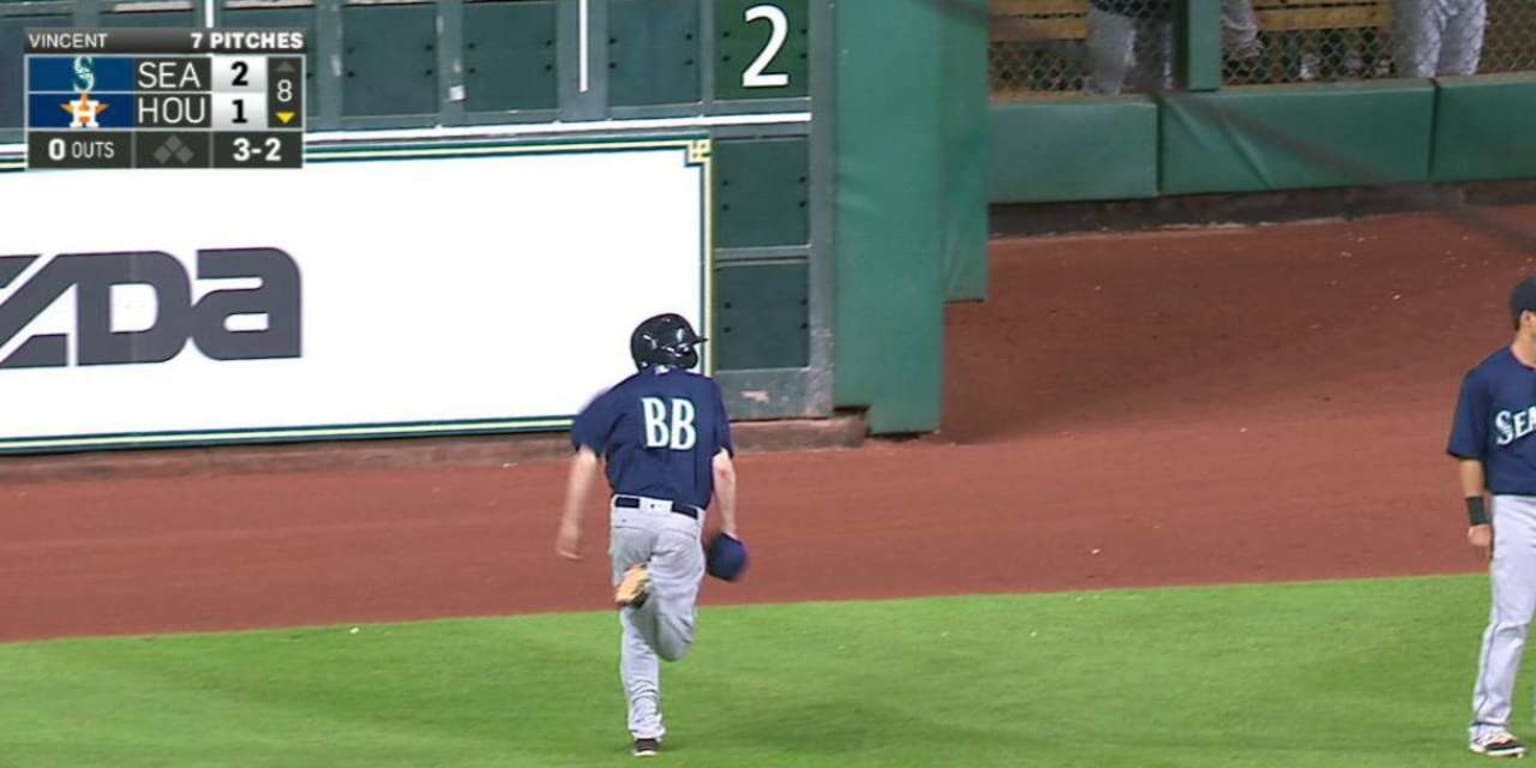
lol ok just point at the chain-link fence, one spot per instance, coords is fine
(1510, 42)
(1320, 40)
(1042, 48)
(1290, 41)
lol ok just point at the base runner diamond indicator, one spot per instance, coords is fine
(173, 150)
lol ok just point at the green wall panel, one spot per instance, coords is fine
(1198, 40)
(889, 317)
(761, 193)
(653, 52)
(12, 66)
(965, 113)
(1358, 133)
(740, 43)
(1485, 127)
(154, 19)
(389, 60)
(509, 56)
(285, 18)
(762, 316)
(1086, 149)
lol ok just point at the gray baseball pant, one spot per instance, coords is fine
(1113, 52)
(661, 628)
(1439, 37)
(1239, 29)
(1513, 576)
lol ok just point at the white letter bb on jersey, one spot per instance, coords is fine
(680, 434)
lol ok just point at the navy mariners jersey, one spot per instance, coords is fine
(1495, 419)
(659, 431)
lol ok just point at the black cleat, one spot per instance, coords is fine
(647, 747)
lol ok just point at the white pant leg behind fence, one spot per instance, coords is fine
(1156, 59)
(1111, 50)
(1461, 42)
(1239, 29)
(1513, 574)
(1416, 40)
(663, 627)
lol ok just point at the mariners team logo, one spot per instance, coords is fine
(85, 74)
(84, 109)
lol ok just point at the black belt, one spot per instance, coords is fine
(633, 502)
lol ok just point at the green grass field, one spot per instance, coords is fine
(1367, 673)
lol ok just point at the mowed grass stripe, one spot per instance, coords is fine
(1360, 673)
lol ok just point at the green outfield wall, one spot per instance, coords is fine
(848, 141)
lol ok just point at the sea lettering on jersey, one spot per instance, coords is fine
(1512, 426)
(679, 434)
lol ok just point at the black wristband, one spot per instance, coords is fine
(1477, 514)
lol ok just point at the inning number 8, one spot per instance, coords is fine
(754, 77)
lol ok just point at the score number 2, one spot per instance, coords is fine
(754, 77)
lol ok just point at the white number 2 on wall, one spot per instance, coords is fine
(754, 76)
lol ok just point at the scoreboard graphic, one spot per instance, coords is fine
(160, 98)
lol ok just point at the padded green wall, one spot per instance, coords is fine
(1485, 127)
(1370, 133)
(1088, 149)
(966, 151)
(1450, 130)
(889, 319)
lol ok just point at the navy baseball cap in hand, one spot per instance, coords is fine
(726, 557)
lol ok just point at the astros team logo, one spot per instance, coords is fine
(85, 109)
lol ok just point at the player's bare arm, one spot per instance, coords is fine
(585, 469)
(725, 491)
(1479, 534)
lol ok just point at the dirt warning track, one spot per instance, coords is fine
(1175, 408)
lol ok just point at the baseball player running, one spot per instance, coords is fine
(1491, 438)
(664, 435)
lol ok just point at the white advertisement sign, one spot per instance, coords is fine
(376, 292)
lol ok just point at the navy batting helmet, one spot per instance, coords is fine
(726, 557)
(665, 340)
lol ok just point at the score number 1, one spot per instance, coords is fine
(754, 76)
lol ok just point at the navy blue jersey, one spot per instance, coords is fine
(1495, 418)
(659, 431)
